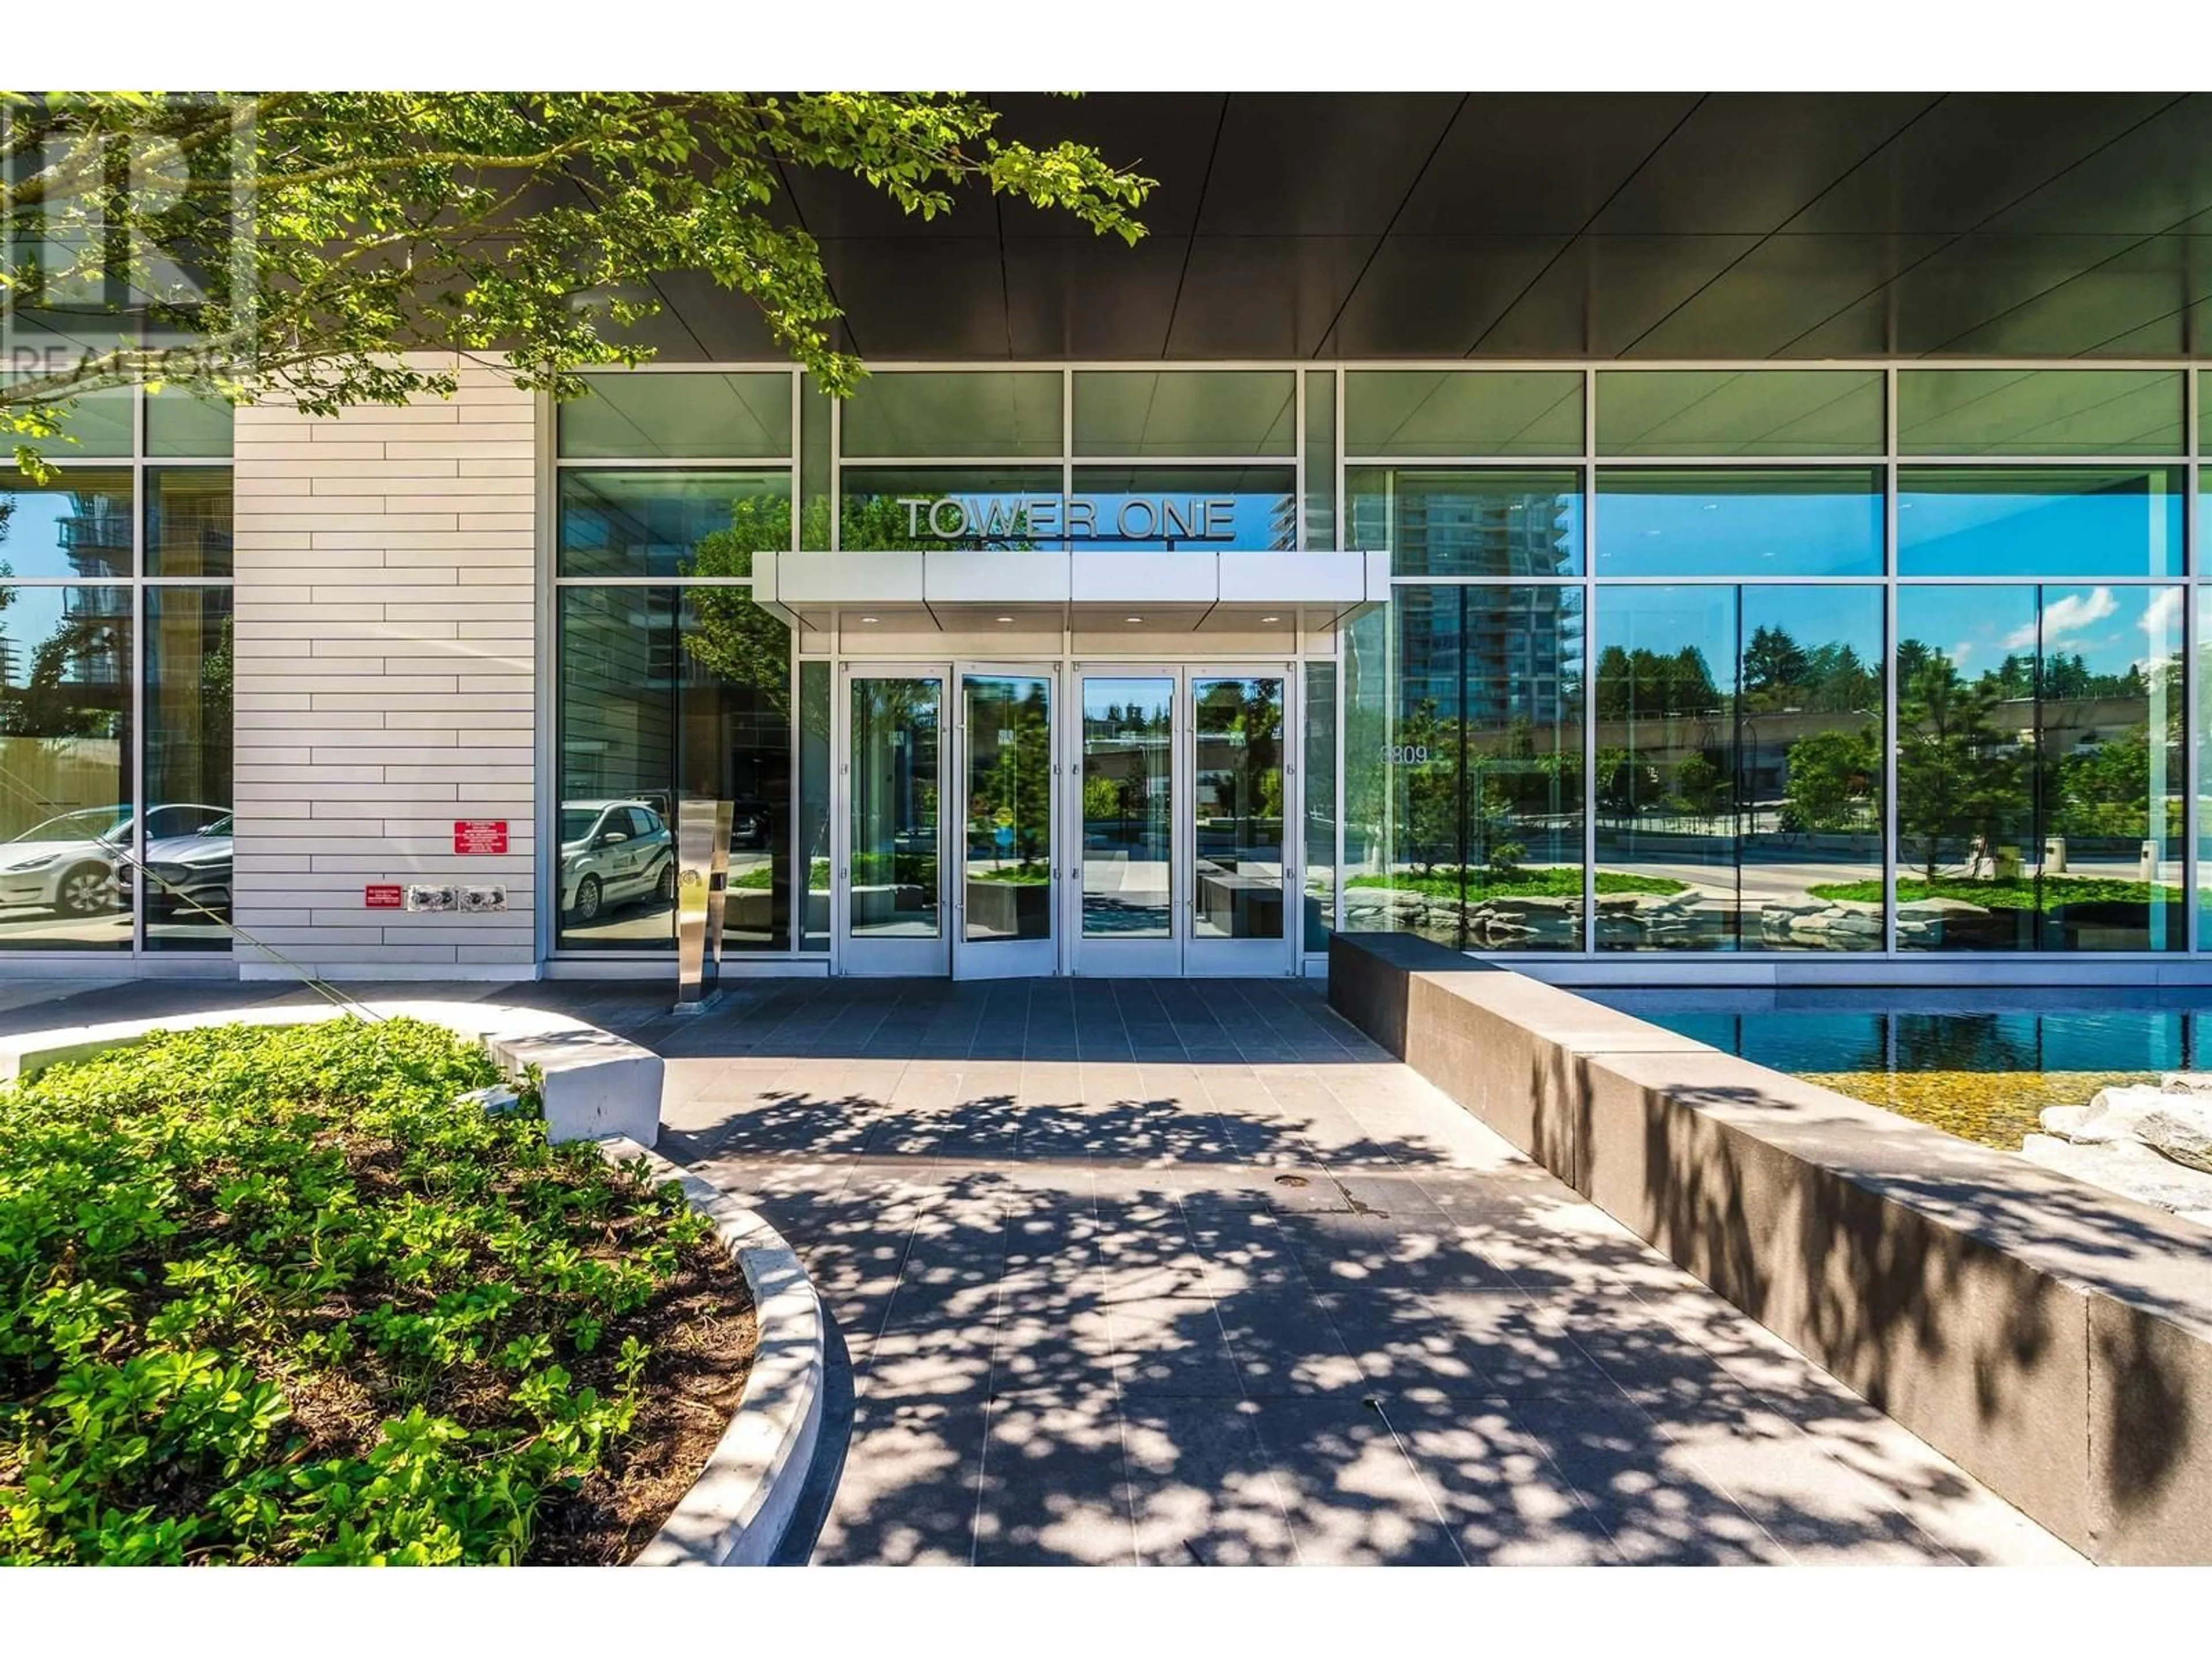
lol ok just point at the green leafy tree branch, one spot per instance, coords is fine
(296, 244)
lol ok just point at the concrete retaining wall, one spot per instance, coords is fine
(2053, 1339)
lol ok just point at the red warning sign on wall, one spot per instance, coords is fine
(383, 896)
(480, 835)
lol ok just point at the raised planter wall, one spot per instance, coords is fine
(2053, 1339)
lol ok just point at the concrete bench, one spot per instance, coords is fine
(2053, 1339)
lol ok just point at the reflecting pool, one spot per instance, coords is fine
(1981, 1074)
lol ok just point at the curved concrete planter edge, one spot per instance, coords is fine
(737, 1512)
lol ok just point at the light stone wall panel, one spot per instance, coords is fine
(386, 679)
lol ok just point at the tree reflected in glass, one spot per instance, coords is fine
(2039, 800)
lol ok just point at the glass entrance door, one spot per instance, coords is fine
(1127, 897)
(1141, 829)
(887, 897)
(1181, 781)
(1240, 864)
(1007, 770)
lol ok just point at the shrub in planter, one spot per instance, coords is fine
(286, 1294)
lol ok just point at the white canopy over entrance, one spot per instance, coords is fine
(857, 598)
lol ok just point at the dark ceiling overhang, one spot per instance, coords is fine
(1491, 226)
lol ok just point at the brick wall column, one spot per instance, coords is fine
(386, 684)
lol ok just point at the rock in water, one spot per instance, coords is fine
(2182, 1131)
(2128, 1169)
(2150, 1142)
(2063, 1122)
(2113, 1114)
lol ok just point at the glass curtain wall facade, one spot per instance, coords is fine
(115, 684)
(671, 683)
(1870, 660)
(1876, 660)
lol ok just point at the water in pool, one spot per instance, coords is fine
(1979, 1073)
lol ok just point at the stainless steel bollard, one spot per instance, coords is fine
(702, 875)
(718, 883)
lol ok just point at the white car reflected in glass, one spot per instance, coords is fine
(70, 864)
(613, 851)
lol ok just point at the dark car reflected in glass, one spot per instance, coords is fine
(188, 877)
(750, 824)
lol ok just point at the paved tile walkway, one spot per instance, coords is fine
(1193, 1272)
(1183, 1271)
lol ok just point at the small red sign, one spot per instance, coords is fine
(384, 895)
(480, 835)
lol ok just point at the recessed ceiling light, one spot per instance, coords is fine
(867, 619)
(1269, 619)
(1005, 619)
(1132, 619)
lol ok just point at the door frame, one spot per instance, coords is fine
(882, 956)
(1002, 958)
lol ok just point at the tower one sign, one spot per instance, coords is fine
(1048, 517)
